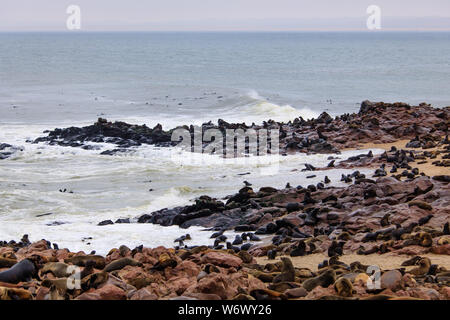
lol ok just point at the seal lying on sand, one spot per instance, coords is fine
(424, 267)
(22, 271)
(287, 273)
(325, 279)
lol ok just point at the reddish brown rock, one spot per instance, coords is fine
(318, 292)
(221, 259)
(107, 292)
(143, 294)
(443, 249)
(296, 293)
(392, 280)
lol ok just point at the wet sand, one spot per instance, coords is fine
(385, 261)
(428, 168)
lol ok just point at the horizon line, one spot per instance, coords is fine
(362, 30)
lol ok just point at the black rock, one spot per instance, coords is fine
(105, 223)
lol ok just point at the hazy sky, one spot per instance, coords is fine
(97, 15)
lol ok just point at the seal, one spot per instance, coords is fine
(23, 271)
(124, 250)
(7, 263)
(271, 254)
(425, 239)
(299, 250)
(357, 266)
(424, 267)
(14, 294)
(121, 263)
(58, 269)
(94, 280)
(82, 261)
(443, 240)
(343, 287)
(287, 273)
(412, 262)
(274, 267)
(164, 261)
(60, 284)
(335, 248)
(325, 279)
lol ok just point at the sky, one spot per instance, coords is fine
(223, 15)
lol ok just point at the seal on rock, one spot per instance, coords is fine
(58, 269)
(82, 261)
(7, 263)
(121, 263)
(23, 271)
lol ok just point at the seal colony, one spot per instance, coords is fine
(398, 212)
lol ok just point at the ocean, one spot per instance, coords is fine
(50, 80)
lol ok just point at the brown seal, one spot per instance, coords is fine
(287, 273)
(82, 261)
(121, 263)
(424, 267)
(58, 269)
(343, 287)
(325, 279)
(7, 263)
(14, 294)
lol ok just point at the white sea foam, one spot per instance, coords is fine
(112, 187)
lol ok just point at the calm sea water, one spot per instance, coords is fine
(60, 79)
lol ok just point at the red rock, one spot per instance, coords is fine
(142, 258)
(409, 281)
(113, 280)
(216, 284)
(392, 280)
(294, 219)
(442, 249)
(424, 293)
(143, 294)
(203, 296)
(296, 293)
(42, 293)
(186, 268)
(319, 292)
(137, 277)
(221, 259)
(62, 254)
(108, 292)
(179, 285)
(412, 251)
(265, 220)
(446, 292)
(423, 185)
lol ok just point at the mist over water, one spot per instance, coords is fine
(60, 79)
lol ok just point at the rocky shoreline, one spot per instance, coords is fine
(399, 211)
(375, 121)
